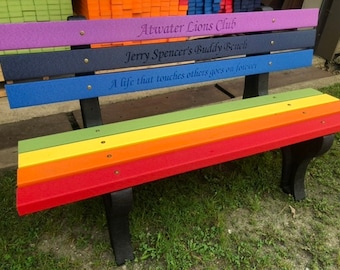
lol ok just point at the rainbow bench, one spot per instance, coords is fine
(109, 160)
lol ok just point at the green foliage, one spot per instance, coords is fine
(333, 90)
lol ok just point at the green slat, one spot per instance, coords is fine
(157, 120)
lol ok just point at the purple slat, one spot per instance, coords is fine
(51, 34)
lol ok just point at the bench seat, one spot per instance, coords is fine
(125, 154)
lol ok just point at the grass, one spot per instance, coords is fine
(230, 216)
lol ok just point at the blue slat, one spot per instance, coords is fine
(44, 92)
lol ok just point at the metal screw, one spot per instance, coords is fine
(270, 63)
(89, 87)
(272, 42)
(82, 32)
(117, 172)
(273, 20)
(86, 60)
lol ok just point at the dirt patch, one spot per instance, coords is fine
(66, 246)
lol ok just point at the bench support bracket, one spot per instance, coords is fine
(90, 111)
(295, 160)
(118, 206)
(256, 85)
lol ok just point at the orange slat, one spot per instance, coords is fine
(47, 171)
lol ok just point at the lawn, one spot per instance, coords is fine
(230, 216)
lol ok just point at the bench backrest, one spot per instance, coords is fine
(214, 49)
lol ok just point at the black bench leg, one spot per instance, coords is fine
(295, 160)
(118, 206)
(256, 85)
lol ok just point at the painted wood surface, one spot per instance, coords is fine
(89, 184)
(52, 34)
(33, 144)
(44, 92)
(57, 169)
(25, 66)
(150, 134)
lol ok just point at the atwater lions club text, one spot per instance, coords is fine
(190, 27)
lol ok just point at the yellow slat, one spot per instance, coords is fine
(134, 137)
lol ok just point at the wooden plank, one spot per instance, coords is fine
(89, 184)
(2, 78)
(24, 66)
(2, 93)
(33, 144)
(94, 161)
(44, 92)
(51, 34)
(153, 133)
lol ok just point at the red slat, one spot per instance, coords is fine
(89, 184)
